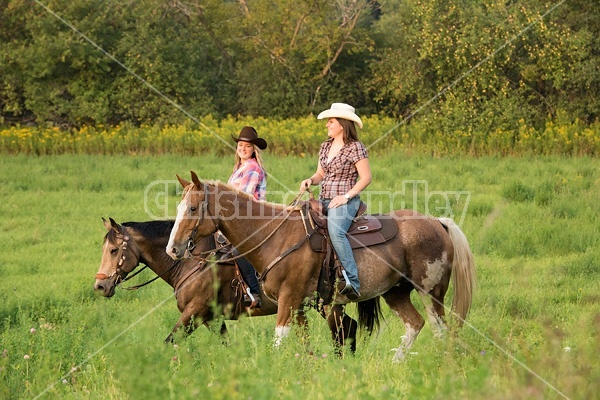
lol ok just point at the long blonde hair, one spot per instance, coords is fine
(256, 155)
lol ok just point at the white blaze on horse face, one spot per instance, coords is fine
(280, 333)
(181, 215)
(105, 265)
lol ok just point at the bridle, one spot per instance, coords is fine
(191, 245)
(121, 260)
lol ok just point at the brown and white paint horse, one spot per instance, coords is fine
(193, 280)
(423, 256)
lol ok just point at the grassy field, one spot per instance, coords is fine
(533, 332)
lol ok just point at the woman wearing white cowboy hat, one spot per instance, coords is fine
(249, 176)
(343, 173)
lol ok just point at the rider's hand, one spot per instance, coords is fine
(305, 184)
(338, 201)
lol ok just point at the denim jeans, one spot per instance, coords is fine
(248, 273)
(338, 222)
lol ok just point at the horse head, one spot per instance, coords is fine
(194, 219)
(119, 258)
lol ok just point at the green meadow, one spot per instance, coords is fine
(533, 224)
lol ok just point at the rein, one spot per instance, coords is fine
(136, 287)
(293, 248)
(204, 209)
(258, 245)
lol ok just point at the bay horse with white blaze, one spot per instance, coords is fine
(198, 283)
(423, 256)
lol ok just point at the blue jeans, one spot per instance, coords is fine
(248, 272)
(338, 223)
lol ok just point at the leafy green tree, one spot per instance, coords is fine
(462, 66)
(65, 79)
(482, 65)
(294, 54)
(13, 36)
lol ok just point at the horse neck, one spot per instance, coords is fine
(254, 224)
(152, 253)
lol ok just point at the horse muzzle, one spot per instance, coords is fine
(106, 287)
(179, 252)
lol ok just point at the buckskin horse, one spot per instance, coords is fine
(193, 280)
(422, 256)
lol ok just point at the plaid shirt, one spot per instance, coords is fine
(340, 173)
(250, 178)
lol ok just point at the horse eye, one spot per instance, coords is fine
(193, 209)
(114, 251)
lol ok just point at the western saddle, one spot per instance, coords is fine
(366, 230)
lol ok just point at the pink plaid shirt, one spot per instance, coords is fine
(340, 173)
(250, 178)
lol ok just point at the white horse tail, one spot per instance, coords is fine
(463, 271)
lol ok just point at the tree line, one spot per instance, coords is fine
(469, 65)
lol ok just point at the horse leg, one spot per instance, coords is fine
(193, 311)
(302, 322)
(187, 322)
(398, 298)
(343, 328)
(223, 330)
(434, 306)
(285, 314)
(282, 330)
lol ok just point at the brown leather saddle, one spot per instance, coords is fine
(366, 230)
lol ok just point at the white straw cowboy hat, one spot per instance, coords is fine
(341, 110)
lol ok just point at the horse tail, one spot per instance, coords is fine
(369, 312)
(463, 268)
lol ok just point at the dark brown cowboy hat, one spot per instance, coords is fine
(248, 134)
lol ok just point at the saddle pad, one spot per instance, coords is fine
(364, 223)
(389, 229)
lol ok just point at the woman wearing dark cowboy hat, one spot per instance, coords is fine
(343, 172)
(249, 176)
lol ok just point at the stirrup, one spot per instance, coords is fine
(348, 285)
(252, 300)
(349, 290)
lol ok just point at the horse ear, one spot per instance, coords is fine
(106, 224)
(183, 182)
(114, 225)
(195, 179)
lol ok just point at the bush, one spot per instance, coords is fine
(299, 137)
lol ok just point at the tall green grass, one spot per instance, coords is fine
(533, 331)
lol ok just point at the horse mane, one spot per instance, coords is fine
(150, 229)
(228, 187)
